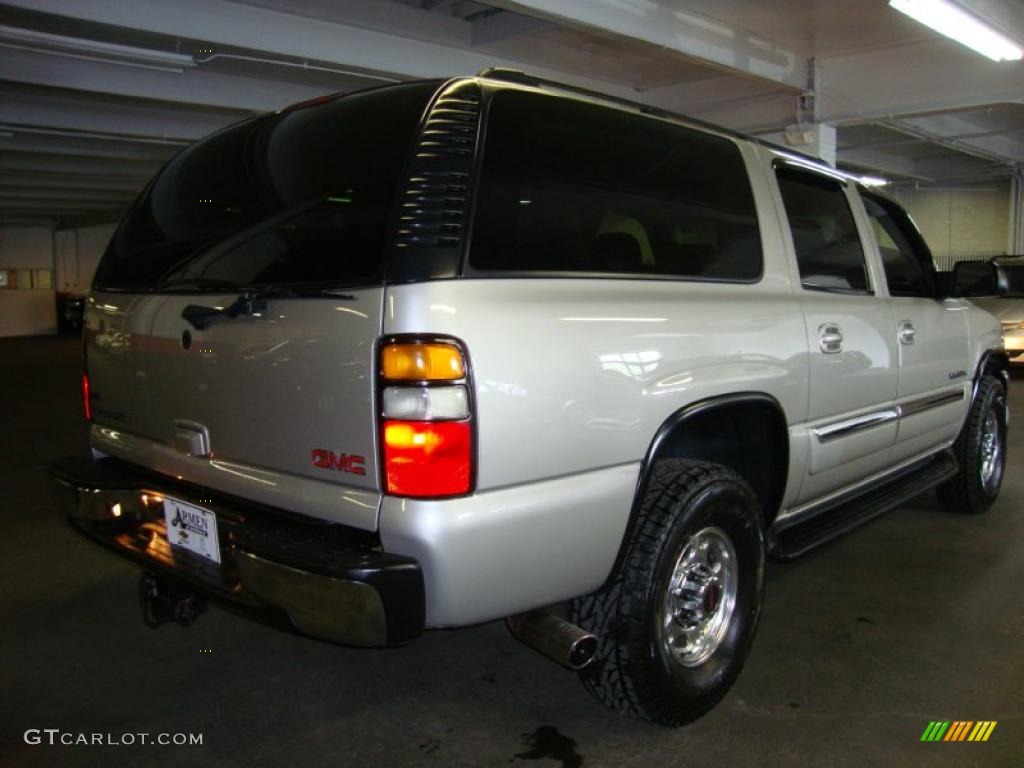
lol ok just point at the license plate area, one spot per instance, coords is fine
(191, 528)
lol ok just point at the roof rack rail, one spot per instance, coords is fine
(522, 78)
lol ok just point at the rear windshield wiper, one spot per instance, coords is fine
(199, 285)
(199, 316)
(260, 290)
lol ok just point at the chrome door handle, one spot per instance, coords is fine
(907, 332)
(830, 337)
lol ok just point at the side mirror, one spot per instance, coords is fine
(976, 279)
(1015, 279)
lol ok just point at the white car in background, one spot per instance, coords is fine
(1010, 310)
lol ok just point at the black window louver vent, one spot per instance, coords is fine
(434, 200)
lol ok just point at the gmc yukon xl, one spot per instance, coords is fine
(440, 353)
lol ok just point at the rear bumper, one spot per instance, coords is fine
(332, 582)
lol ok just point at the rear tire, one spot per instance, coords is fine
(677, 618)
(980, 450)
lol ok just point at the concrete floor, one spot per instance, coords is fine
(916, 617)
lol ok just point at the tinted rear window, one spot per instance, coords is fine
(574, 187)
(299, 196)
(828, 247)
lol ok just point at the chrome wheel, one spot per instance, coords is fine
(701, 598)
(991, 468)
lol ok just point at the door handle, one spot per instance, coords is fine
(907, 332)
(830, 337)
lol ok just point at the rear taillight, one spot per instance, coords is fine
(86, 399)
(426, 429)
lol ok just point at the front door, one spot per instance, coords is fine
(934, 365)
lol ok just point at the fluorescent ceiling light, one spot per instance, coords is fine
(947, 19)
(873, 181)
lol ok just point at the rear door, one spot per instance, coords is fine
(248, 284)
(934, 357)
(287, 376)
(851, 414)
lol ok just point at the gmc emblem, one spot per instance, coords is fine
(342, 462)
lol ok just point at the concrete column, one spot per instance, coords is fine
(1016, 239)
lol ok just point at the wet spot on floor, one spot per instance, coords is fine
(546, 743)
(430, 746)
(866, 620)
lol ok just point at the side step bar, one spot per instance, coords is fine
(843, 514)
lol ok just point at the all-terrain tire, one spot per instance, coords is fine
(635, 671)
(968, 491)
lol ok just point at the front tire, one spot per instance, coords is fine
(980, 450)
(676, 620)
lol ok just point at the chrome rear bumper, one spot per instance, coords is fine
(330, 581)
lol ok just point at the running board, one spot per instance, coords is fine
(839, 516)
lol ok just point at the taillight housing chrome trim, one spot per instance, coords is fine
(453, 490)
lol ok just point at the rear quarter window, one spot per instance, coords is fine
(297, 196)
(568, 186)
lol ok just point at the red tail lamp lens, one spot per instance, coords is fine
(86, 401)
(427, 459)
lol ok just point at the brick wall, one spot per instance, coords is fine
(962, 224)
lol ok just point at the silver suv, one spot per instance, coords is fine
(445, 352)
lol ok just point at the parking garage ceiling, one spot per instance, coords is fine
(94, 96)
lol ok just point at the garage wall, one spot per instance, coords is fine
(78, 254)
(26, 311)
(964, 223)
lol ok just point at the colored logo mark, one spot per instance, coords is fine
(958, 730)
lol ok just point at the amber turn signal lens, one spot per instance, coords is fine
(422, 362)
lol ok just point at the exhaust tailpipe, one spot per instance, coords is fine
(555, 637)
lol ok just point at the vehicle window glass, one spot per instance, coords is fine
(320, 245)
(828, 247)
(574, 187)
(905, 273)
(345, 153)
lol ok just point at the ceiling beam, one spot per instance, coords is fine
(424, 22)
(695, 36)
(495, 25)
(32, 192)
(102, 113)
(967, 148)
(948, 166)
(743, 105)
(227, 24)
(81, 147)
(56, 206)
(57, 182)
(194, 86)
(89, 219)
(897, 81)
(35, 162)
(962, 132)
